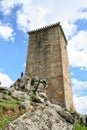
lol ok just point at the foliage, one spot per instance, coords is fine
(5, 120)
(8, 104)
(79, 127)
(32, 97)
(9, 110)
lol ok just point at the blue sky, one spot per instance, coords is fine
(17, 17)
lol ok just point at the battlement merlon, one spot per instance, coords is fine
(47, 27)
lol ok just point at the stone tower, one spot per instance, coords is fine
(47, 58)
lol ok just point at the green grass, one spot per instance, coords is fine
(32, 97)
(5, 121)
(4, 106)
(79, 127)
(8, 104)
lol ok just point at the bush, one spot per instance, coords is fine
(79, 127)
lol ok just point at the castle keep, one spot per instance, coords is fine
(47, 58)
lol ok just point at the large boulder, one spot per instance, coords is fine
(41, 117)
(40, 113)
(33, 89)
(22, 84)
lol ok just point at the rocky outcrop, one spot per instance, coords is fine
(32, 89)
(40, 117)
(40, 113)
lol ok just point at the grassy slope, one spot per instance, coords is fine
(9, 110)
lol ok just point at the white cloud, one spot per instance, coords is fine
(31, 17)
(33, 14)
(79, 87)
(71, 73)
(83, 68)
(5, 80)
(24, 65)
(69, 28)
(77, 50)
(81, 104)
(6, 32)
(80, 100)
(6, 6)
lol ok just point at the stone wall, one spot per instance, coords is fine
(47, 58)
(66, 71)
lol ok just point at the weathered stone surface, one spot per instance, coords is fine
(25, 105)
(47, 58)
(19, 95)
(30, 89)
(41, 117)
(40, 113)
(22, 84)
(4, 93)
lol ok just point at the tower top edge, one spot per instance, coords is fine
(45, 27)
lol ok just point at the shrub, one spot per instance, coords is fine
(79, 127)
